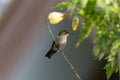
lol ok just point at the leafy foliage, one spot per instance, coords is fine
(64, 4)
(104, 17)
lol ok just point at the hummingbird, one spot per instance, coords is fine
(58, 44)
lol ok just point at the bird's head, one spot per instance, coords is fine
(63, 32)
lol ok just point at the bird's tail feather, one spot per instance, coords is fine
(50, 53)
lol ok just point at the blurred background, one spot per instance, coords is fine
(25, 39)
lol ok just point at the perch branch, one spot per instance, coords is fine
(66, 59)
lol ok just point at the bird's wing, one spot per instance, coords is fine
(55, 46)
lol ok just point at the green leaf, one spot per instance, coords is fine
(115, 47)
(97, 50)
(108, 70)
(74, 4)
(87, 28)
(84, 3)
(101, 3)
(102, 54)
(89, 8)
(111, 67)
(80, 12)
(64, 4)
(117, 30)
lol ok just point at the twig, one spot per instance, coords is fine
(66, 59)
(49, 29)
(73, 69)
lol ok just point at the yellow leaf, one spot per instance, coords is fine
(75, 23)
(56, 17)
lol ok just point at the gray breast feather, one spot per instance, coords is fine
(61, 40)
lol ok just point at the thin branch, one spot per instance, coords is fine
(71, 66)
(66, 59)
(50, 29)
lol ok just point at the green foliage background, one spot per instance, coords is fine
(104, 17)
